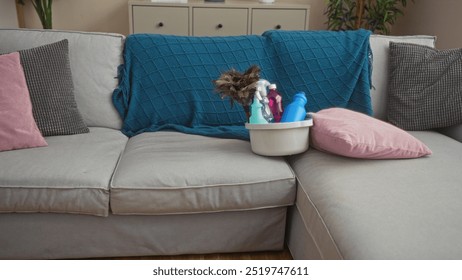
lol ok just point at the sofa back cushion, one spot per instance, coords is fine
(94, 58)
(380, 47)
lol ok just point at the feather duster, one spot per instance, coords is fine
(239, 87)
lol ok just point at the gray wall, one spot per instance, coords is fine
(442, 18)
(8, 16)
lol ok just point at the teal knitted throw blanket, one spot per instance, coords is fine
(165, 82)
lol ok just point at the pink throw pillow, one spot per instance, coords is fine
(18, 129)
(351, 134)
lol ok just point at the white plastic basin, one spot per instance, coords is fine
(279, 139)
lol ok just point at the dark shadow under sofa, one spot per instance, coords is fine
(102, 194)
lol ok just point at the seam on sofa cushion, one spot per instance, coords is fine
(56, 187)
(199, 187)
(202, 212)
(116, 167)
(54, 212)
(318, 215)
(242, 196)
(103, 196)
(113, 175)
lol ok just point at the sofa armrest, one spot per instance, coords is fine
(454, 131)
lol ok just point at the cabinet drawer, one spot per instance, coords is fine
(219, 21)
(287, 19)
(160, 20)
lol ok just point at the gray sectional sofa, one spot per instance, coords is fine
(102, 194)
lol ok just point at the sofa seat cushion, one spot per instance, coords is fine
(454, 132)
(387, 209)
(71, 175)
(175, 173)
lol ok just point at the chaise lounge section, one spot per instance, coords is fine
(350, 208)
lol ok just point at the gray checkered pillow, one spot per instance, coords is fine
(425, 87)
(49, 79)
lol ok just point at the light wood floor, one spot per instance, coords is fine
(276, 255)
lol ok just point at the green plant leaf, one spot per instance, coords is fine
(377, 15)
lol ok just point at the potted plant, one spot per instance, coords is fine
(43, 9)
(375, 15)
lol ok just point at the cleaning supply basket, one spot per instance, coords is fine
(279, 139)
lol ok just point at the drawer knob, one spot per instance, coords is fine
(160, 24)
(278, 26)
(219, 26)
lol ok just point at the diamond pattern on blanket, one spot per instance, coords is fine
(166, 81)
(332, 68)
(171, 79)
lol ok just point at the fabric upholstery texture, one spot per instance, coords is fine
(392, 209)
(49, 79)
(352, 134)
(454, 132)
(70, 175)
(18, 129)
(308, 236)
(176, 173)
(380, 50)
(166, 81)
(425, 90)
(94, 58)
(63, 235)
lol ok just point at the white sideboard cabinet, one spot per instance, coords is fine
(200, 18)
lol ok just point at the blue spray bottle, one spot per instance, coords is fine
(295, 111)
